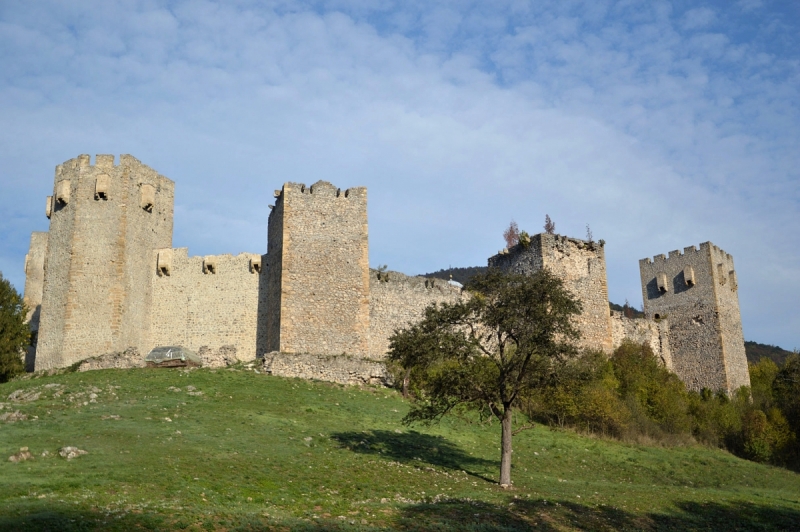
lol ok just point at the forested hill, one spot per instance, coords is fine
(756, 352)
(461, 275)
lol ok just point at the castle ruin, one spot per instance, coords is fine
(106, 278)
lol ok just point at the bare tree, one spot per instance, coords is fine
(511, 235)
(549, 226)
(589, 236)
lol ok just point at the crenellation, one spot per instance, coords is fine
(104, 161)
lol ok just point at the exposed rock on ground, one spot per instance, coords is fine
(11, 417)
(70, 452)
(23, 455)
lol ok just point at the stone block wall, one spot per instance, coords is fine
(319, 301)
(105, 220)
(205, 302)
(642, 331)
(34, 277)
(695, 291)
(397, 300)
(582, 267)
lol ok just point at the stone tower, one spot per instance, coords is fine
(696, 292)
(318, 297)
(105, 221)
(582, 267)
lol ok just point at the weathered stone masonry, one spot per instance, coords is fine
(105, 278)
(696, 292)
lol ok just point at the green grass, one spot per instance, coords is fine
(254, 452)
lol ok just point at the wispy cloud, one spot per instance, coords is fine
(660, 126)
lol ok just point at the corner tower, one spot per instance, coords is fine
(105, 220)
(696, 291)
(318, 271)
(582, 267)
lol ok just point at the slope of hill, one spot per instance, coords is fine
(235, 450)
(756, 352)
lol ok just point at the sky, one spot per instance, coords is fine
(658, 124)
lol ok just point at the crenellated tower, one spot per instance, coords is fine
(105, 221)
(696, 292)
(318, 297)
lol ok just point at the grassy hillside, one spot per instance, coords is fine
(236, 450)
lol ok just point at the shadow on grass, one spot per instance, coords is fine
(456, 515)
(411, 447)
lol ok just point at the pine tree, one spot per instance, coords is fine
(14, 332)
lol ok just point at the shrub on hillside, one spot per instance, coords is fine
(14, 332)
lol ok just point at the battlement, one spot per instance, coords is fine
(690, 251)
(321, 189)
(81, 165)
(561, 241)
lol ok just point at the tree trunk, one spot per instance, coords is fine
(406, 379)
(505, 446)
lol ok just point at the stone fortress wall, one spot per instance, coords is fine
(105, 278)
(398, 300)
(206, 302)
(696, 292)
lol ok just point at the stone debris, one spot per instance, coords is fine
(70, 452)
(11, 417)
(130, 358)
(173, 389)
(23, 455)
(223, 357)
(112, 416)
(24, 396)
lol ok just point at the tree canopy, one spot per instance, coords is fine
(14, 332)
(490, 350)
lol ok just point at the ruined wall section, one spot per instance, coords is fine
(687, 290)
(34, 277)
(582, 267)
(324, 270)
(105, 220)
(397, 300)
(654, 333)
(209, 301)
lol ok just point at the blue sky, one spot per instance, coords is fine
(660, 124)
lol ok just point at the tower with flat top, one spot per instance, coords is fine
(697, 293)
(318, 295)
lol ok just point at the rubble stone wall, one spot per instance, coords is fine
(198, 307)
(642, 331)
(397, 300)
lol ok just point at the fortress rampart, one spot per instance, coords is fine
(105, 278)
(397, 300)
(205, 302)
